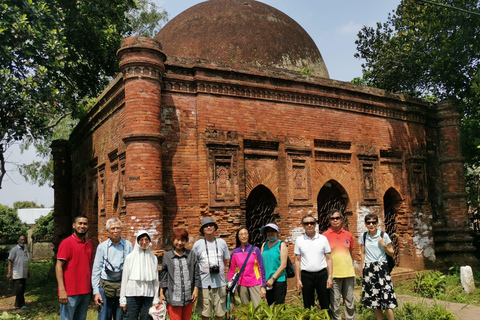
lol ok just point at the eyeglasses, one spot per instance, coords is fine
(309, 223)
(335, 218)
(371, 222)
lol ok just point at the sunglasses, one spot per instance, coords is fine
(335, 218)
(371, 222)
(309, 223)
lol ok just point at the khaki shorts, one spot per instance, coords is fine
(215, 298)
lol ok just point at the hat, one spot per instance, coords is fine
(205, 221)
(270, 225)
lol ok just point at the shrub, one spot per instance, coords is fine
(430, 284)
(278, 312)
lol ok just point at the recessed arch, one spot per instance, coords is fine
(331, 195)
(261, 204)
(392, 202)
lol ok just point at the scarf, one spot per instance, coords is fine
(144, 264)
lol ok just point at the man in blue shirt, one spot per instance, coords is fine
(107, 271)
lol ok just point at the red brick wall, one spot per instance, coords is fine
(290, 133)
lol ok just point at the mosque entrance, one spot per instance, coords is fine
(331, 195)
(261, 205)
(392, 202)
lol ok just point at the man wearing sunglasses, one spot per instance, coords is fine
(341, 243)
(313, 265)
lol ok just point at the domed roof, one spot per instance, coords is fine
(241, 32)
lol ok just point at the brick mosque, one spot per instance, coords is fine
(229, 112)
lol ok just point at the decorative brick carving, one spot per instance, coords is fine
(299, 179)
(223, 177)
(368, 168)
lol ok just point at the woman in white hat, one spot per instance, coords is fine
(274, 254)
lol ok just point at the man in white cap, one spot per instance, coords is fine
(212, 254)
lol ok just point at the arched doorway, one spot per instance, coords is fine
(331, 195)
(261, 205)
(391, 204)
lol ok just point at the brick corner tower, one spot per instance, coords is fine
(142, 66)
(452, 233)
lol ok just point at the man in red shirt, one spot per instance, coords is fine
(74, 271)
(341, 243)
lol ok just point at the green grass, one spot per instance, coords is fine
(453, 291)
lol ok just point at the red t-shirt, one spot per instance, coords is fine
(77, 269)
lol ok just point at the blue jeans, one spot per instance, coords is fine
(136, 306)
(110, 308)
(76, 307)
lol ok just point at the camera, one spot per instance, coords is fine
(214, 269)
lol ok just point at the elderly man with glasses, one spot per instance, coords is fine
(313, 265)
(341, 243)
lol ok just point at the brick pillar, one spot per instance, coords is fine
(452, 234)
(142, 65)
(62, 188)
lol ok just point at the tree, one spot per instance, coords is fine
(55, 57)
(26, 205)
(44, 227)
(423, 50)
(10, 225)
(430, 51)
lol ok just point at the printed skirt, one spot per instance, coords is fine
(377, 287)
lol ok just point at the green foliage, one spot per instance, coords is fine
(278, 312)
(430, 284)
(410, 311)
(10, 225)
(44, 227)
(306, 71)
(146, 19)
(423, 49)
(55, 57)
(26, 205)
(6, 315)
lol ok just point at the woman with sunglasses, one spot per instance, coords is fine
(274, 254)
(377, 287)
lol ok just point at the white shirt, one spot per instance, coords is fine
(312, 252)
(18, 257)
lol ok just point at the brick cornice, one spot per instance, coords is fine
(310, 95)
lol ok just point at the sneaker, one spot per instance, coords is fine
(24, 308)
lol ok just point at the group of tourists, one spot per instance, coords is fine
(126, 283)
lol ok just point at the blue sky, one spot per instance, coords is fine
(332, 24)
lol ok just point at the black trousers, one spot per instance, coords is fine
(19, 291)
(315, 282)
(277, 293)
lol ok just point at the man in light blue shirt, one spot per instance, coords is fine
(107, 271)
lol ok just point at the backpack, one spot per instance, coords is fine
(390, 260)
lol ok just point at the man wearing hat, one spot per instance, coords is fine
(212, 254)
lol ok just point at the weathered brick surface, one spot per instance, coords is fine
(163, 152)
